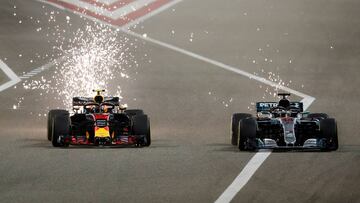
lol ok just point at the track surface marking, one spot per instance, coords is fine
(14, 79)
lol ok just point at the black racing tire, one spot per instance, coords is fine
(318, 115)
(60, 127)
(235, 121)
(134, 112)
(52, 113)
(142, 127)
(247, 134)
(328, 129)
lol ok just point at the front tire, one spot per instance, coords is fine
(247, 134)
(60, 129)
(51, 115)
(328, 129)
(142, 127)
(235, 122)
(134, 112)
(318, 115)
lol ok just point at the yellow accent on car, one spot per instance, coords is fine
(102, 132)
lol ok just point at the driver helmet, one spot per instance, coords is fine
(284, 103)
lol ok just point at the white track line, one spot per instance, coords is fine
(52, 4)
(40, 69)
(307, 99)
(108, 2)
(244, 176)
(14, 79)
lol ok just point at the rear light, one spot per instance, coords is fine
(132, 139)
(67, 139)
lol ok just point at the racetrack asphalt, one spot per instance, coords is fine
(315, 45)
(3, 78)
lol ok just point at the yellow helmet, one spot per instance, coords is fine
(98, 97)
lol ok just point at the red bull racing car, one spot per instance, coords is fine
(283, 125)
(98, 121)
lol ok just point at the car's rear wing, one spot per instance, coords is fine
(113, 100)
(267, 106)
(81, 101)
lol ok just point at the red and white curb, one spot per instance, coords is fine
(114, 12)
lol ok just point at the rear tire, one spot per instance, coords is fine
(235, 121)
(328, 129)
(60, 127)
(51, 115)
(318, 115)
(134, 112)
(247, 134)
(142, 127)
